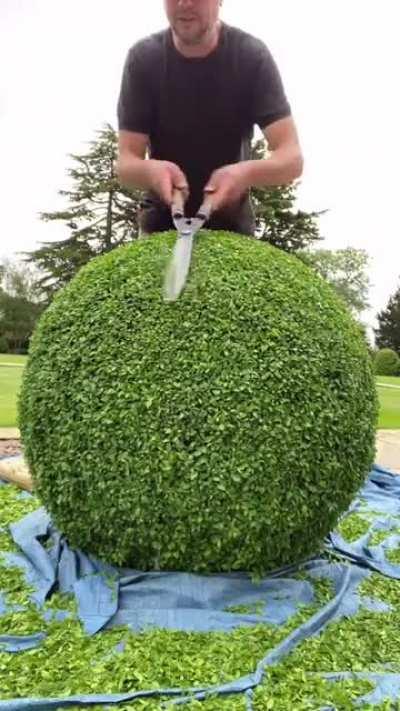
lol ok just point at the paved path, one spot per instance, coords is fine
(9, 433)
(388, 449)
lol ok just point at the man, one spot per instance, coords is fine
(190, 97)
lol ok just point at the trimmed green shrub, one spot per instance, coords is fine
(228, 430)
(3, 344)
(387, 362)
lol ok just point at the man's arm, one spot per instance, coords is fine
(285, 162)
(135, 121)
(131, 168)
(134, 171)
(270, 110)
(284, 165)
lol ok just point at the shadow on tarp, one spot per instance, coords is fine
(107, 596)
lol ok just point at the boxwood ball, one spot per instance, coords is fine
(226, 431)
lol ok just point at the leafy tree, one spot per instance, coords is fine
(20, 280)
(3, 344)
(387, 335)
(20, 304)
(387, 362)
(346, 270)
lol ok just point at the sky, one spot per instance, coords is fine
(61, 65)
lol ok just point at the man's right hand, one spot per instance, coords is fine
(164, 177)
(135, 171)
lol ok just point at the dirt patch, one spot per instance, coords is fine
(9, 447)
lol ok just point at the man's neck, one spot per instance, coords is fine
(204, 48)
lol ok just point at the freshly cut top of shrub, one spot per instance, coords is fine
(225, 431)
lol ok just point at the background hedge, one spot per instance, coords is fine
(387, 362)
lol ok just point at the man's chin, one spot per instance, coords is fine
(189, 37)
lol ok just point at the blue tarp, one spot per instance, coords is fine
(108, 596)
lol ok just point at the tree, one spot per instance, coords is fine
(3, 344)
(101, 215)
(387, 335)
(346, 270)
(20, 304)
(387, 362)
(276, 218)
(20, 280)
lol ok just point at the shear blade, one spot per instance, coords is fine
(178, 269)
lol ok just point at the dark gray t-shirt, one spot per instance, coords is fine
(200, 112)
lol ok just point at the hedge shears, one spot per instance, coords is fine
(187, 227)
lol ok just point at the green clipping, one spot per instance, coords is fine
(226, 431)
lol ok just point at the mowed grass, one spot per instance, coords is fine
(388, 380)
(9, 358)
(11, 367)
(389, 398)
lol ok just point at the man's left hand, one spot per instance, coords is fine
(227, 185)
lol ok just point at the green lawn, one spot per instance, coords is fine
(390, 403)
(11, 371)
(11, 367)
(388, 380)
(6, 359)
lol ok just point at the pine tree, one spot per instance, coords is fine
(277, 220)
(101, 215)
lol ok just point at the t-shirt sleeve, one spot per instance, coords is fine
(269, 99)
(134, 108)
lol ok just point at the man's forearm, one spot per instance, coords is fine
(133, 172)
(158, 176)
(282, 167)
